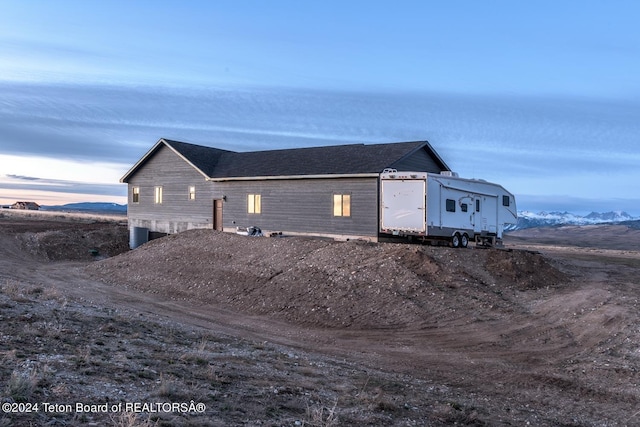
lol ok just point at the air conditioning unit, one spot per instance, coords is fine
(449, 173)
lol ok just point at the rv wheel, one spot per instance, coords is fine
(464, 242)
(455, 240)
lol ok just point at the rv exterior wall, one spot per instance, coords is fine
(453, 205)
(402, 204)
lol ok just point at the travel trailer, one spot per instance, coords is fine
(444, 207)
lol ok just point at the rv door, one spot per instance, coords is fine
(489, 214)
(477, 215)
(403, 205)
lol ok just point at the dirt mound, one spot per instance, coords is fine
(327, 283)
(80, 242)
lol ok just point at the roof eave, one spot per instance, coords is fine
(432, 152)
(284, 177)
(139, 163)
(435, 154)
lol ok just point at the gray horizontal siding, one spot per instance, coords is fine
(176, 212)
(296, 205)
(303, 205)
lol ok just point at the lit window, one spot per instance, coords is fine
(192, 192)
(135, 195)
(158, 195)
(254, 204)
(341, 205)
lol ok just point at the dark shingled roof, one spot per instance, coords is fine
(334, 159)
(328, 160)
(338, 159)
(204, 158)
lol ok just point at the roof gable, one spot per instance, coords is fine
(201, 158)
(205, 159)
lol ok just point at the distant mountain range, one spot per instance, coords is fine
(528, 219)
(88, 207)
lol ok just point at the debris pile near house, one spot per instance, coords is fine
(252, 231)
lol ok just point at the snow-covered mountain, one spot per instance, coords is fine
(528, 219)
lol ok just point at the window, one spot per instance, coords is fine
(135, 195)
(158, 195)
(192, 192)
(464, 207)
(254, 203)
(451, 205)
(342, 205)
(505, 200)
(477, 205)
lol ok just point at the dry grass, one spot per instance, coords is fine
(131, 419)
(239, 379)
(21, 385)
(319, 415)
(61, 216)
(55, 347)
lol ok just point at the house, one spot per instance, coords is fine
(323, 191)
(31, 206)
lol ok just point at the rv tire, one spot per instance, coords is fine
(464, 242)
(455, 240)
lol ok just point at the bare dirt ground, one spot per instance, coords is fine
(294, 331)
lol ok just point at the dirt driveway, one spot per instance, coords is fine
(313, 332)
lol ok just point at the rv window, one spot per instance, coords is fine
(505, 200)
(477, 205)
(451, 205)
(463, 207)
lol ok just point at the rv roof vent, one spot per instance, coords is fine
(449, 173)
(389, 170)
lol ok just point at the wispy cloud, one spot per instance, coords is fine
(16, 182)
(530, 145)
(23, 178)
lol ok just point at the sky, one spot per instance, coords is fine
(541, 97)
